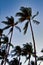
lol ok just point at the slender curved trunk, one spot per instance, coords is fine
(9, 47)
(33, 42)
(10, 41)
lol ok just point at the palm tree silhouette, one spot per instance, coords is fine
(10, 24)
(17, 52)
(27, 51)
(26, 14)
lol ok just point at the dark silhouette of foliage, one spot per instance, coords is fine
(26, 14)
(27, 51)
(18, 52)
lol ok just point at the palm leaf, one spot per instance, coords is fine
(6, 22)
(35, 15)
(25, 27)
(35, 21)
(16, 23)
(10, 20)
(6, 27)
(18, 28)
(20, 14)
(24, 10)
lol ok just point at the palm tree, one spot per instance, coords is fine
(26, 14)
(27, 51)
(17, 52)
(10, 24)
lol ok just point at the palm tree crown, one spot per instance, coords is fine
(10, 23)
(27, 51)
(26, 14)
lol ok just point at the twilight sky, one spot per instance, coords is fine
(11, 7)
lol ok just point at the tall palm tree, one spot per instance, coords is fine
(27, 51)
(26, 14)
(10, 24)
(17, 52)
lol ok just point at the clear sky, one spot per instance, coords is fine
(11, 7)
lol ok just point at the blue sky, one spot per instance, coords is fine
(11, 7)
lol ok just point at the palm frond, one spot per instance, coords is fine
(10, 20)
(6, 27)
(20, 14)
(5, 22)
(16, 23)
(18, 28)
(35, 21)
(23, 10)
(35, 15)
(25, 27)
(26, 11)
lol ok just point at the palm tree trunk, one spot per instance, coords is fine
(10, 41)
(9, 47)
(33, 42)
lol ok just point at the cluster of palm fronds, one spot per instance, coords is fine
(5, 42)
